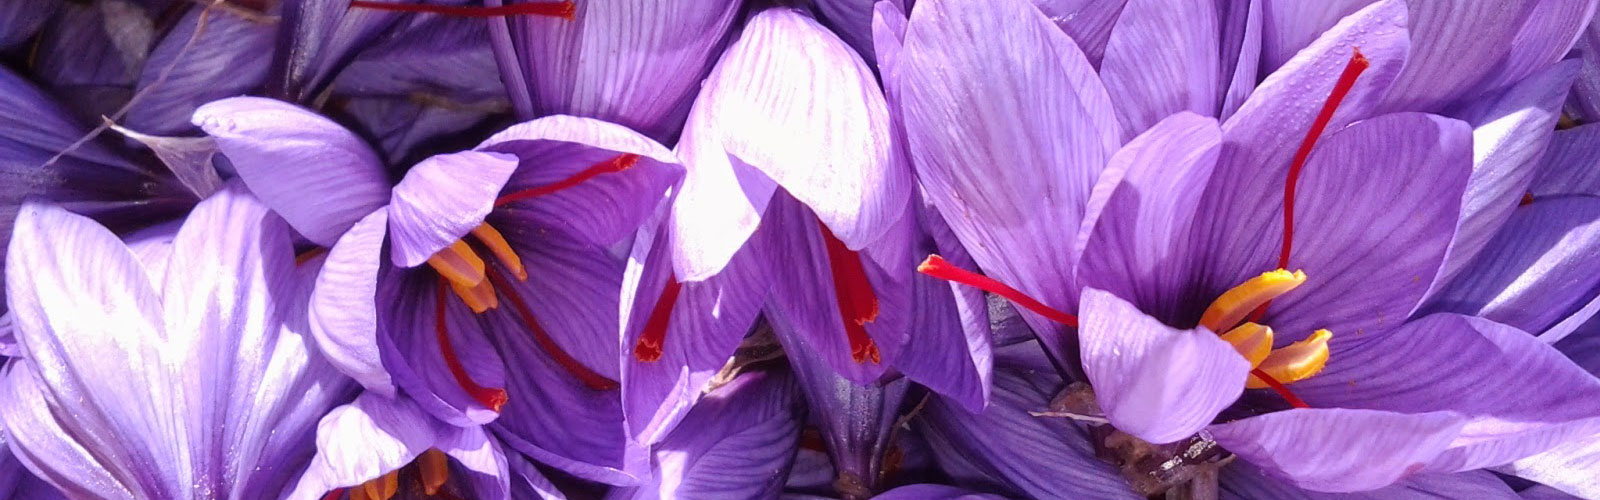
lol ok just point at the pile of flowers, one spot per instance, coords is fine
(852, 249)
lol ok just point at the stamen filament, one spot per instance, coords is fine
(615, 164)
(588, 377)
(858, 305)
(490, 398)
(501, 249)
(937, 267)
(654, 336)
(565, 9)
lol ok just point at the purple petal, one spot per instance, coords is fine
(704, 328)
(344, 314)
(1088, 22)
(933, 492)
(976, 80)
(1337, 449)
(721, 201)
(636, 63)
(1241, 481)
(602, 210)
(833, 150)
(442, 199)
(375, 435)
(317, 175)
(1162, 59)
(1568, 166)
(1006, 449)
(805, 304)
(855, 419)
(409, 346)
(41, 444)
(19, 20)
(1243, 199)
(187, 69)
(1536, 397)
(1368, 263)
(317, 39)
(851, 20)
(1241, 51)
(949, 347)
(738, 442)
(1153, 381)
(1289, 26)
(1146, 199)
(888, 38)
(1539, 270)
(1509, 138)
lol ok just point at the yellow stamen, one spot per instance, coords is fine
(388, 485)
(458, 264)
(1253, 341)
(480, 297)
(360, 493)
(435, 470)
(497, 245)
(1237, 302)
(1297, 361)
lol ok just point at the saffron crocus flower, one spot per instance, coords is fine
(636, 63)
(520, 317)
(1187, 216)
(828, 256)
(178, 367)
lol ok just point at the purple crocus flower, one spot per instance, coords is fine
(522, 320)
(1172, 220)
(175, 366)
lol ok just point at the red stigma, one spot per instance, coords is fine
(937, 267)
(490, 398)
(1527, 199)
(565, 10)
(1281, 389)
(333, 494)
(588, 377)
(654, 337)
(1347, 80)
(615, 164)
(306, 256)
(858, 305)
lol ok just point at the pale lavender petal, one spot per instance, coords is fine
(344, 312)
(1340, 450)
(1009, 126)
(43, 446)
(317, 175)
(1290, 25)
(1571, 165)
(442, 199)
(833, 149)
(1153, 381)
(1088, 22)
(1241, 51)
(1163, 58)
(1241, 481)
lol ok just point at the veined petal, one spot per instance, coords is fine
(1509, 137)
(192, 66)
(441, 200)
(949, 348)
(636, 63)
(1163, 58)
(1337, 449)
(1367, 264)
(20, 20)
(1242, 481)
(1242, 202)
(855, 419)
(601, 210)
(317, 175)
(344, 309)
(833, 149)
(1155, 382)
(1568, 166)
(1538, 271)
(1136, 244)
(1009, 126)
(1289, 26)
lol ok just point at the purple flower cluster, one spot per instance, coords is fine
(841, 249)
